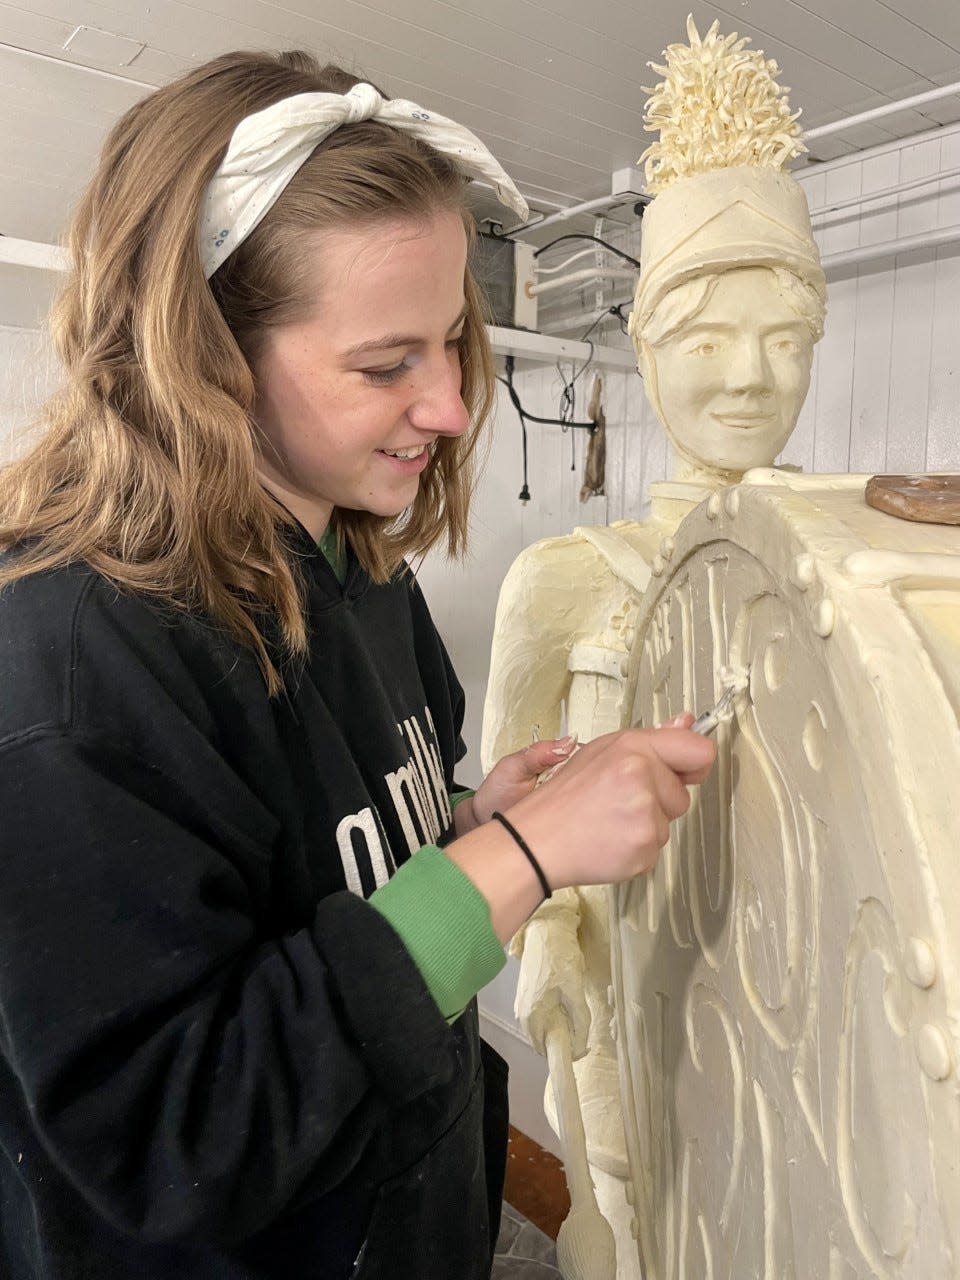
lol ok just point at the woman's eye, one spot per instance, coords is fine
(382, 376)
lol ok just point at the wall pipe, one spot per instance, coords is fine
(889, 248)
(868, 197)
(576, 277)
(877, 113)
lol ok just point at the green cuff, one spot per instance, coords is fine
(444, 922)
(458, 797)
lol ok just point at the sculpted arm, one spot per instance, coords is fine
(546, 605)
(540, 614)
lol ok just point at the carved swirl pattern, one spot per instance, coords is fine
(764, 1021)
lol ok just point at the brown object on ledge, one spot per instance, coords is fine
(930, 499)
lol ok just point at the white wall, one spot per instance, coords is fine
(27, 376)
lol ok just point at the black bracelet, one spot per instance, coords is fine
(528, 853)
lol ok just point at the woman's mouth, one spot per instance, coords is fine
(410, 461)
(414, 451)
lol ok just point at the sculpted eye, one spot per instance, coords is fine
(704, 349)
(786, 346)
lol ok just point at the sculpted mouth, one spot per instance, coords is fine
(743, 419)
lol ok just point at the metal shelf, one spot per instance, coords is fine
(542, 348)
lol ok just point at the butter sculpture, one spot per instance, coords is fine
(767, 1025)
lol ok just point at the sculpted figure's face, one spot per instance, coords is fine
(730, 381)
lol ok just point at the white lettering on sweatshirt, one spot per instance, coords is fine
(419, 797)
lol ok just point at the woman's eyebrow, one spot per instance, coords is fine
(391, 340)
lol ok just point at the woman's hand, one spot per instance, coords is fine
(511, 778)
(601, 819)
(606, 815)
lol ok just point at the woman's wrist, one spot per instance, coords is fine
(489, 857)
(465, 817)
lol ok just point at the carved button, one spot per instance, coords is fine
(713, 506)
(824, 618)
(920, 963)
(732, 502)
(667, 548)
(933, 1052)
(657, 567)
(804, 571)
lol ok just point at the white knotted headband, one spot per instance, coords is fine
(268, 148)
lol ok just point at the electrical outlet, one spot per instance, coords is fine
(524, 273)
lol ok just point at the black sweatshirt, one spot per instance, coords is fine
(216, 1060)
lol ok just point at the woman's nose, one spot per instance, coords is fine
(439, 407)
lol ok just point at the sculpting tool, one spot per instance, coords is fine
(706, 723)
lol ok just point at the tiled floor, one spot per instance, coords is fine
(523, 1251)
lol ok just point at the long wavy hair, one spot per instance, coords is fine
(147, 467)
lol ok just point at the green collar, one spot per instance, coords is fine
(335, 556)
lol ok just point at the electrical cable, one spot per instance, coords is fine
(574, 257)
(525, 416)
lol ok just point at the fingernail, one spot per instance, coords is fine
(565, 745)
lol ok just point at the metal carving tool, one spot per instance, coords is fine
(706, 723)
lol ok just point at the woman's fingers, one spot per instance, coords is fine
(541, 756)
(607, 813)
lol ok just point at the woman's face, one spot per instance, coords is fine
(351, 399)
(731, 382)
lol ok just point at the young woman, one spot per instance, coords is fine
(244, 911)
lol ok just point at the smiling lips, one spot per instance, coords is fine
(413, 452)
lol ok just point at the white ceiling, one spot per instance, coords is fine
(554, 86)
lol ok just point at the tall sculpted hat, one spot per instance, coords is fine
(723, 199)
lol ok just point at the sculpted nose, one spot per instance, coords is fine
(748, 368)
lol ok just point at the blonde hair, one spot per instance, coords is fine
(148, 467)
